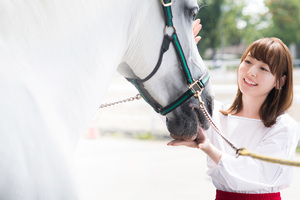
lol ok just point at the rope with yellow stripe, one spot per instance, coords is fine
(245, 152)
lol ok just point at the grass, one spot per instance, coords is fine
(145, 136)
(136, 135)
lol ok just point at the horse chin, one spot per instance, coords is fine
(186, 122)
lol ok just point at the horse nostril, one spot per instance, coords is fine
(192, 106)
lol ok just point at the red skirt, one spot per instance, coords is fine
(221, 195)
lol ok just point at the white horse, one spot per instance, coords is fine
(57, 58)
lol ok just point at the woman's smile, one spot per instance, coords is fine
(250, 82)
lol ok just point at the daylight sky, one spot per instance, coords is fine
(255, 6)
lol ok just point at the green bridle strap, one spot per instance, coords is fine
(182, 59)
(168, 14)
(188, 94)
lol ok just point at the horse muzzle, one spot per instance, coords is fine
(184, 122)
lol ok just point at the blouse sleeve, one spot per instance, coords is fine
(248, 174)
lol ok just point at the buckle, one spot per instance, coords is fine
(166, 4)
(191, 87)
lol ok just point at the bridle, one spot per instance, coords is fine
(195, 86)
(195, 89)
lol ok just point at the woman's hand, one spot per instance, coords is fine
(200, 142)
(196, 29)
(192, 143)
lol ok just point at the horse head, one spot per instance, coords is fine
(162, 68)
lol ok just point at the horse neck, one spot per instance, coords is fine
(92, 54)
(144, 30)
(68, 51)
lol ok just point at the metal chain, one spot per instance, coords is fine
(136, 97)
(208, 117)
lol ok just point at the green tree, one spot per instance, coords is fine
(225, 24)
(285, 21)
(238, 26)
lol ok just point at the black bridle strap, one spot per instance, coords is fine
(168, 14)
(201, 82)
(164, 47)
(138, 83)
(169, 23)
(145, 94)
(188, 94)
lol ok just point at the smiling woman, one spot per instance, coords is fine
(268, 62)
(257, 120)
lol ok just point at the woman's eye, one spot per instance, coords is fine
(264, 69)
(247, 61)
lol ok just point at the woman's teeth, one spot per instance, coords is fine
(250, 82)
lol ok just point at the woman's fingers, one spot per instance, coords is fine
(197, 39)
(196, 29)
(183, 143)
(196, 22)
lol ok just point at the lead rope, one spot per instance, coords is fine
(242, 151)
(136, 97)
(208, 117)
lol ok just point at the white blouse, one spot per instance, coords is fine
(245, 174)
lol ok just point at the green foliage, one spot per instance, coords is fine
(221, 20)
(285, 23)
(210, 14)
(239, 27)
(226, 24)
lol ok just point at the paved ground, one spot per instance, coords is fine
(126, 169)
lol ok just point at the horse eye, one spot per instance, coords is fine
(194, 12)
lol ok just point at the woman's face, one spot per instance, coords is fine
(255, 78)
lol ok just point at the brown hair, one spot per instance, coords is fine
(275, 53)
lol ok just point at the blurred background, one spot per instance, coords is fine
(229, 26)
(123, 154)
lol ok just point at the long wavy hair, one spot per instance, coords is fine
(276, 54)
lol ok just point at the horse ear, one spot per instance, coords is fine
(281, 82)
